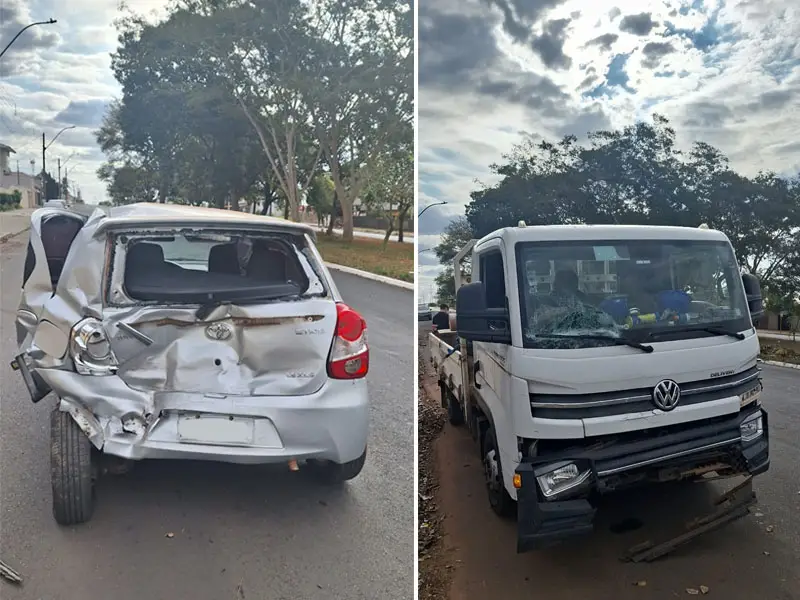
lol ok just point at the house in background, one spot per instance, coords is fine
(27, 185)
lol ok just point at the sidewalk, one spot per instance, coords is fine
(14, 222)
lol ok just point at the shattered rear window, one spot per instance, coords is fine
(211, 266)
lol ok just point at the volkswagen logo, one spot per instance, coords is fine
(219, 332)
(666, 395)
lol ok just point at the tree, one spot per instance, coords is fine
(390, 190)
(320, 196)
(456, 235)
(637, 176)
(363, 100)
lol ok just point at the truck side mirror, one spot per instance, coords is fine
(475, 322)
(752, 289)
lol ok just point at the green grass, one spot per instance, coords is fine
(395, 260)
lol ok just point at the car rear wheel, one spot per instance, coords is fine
(333, 473)
(71, 471)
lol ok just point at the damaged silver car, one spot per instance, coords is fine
(173, 332)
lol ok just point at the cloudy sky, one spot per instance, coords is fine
(59, 75)
(492, 71)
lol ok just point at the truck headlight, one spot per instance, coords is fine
(752, 427)
(561, 478)
(90, 349)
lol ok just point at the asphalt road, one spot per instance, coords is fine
(756, 557)
(238, 532)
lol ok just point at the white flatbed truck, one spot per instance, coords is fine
(587, 359)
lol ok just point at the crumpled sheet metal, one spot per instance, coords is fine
(180, 358)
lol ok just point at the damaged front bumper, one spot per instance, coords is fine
(331, 424)
(554, 491)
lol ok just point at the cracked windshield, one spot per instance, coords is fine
(625, 289)
(207, 249)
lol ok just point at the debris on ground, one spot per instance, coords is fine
(430, 422)
(9, 574)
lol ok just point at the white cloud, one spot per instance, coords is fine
(724, 71)
(59, 75)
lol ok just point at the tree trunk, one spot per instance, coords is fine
(401, 217)
(286, 209)
(333, 213)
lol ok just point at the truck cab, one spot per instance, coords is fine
(596, 358)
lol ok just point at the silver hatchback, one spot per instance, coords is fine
(175, 332)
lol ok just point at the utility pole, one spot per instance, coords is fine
(59, 178)
(17, 172)
(45, 146)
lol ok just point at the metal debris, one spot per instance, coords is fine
(731, 506)
(10, 574)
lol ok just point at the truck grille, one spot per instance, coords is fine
(585, 406)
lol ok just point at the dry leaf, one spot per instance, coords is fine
(170, 535)
(770, 528)
(692, 592)
(640, 583)
(704, 589)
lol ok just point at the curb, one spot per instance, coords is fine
(366, 275)
(7, 236)
(776, 363)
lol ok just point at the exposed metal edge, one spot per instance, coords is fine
(666, 457)
(367, 275)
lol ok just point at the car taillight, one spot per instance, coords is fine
(349, 357)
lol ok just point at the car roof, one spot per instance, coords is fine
(155, 214)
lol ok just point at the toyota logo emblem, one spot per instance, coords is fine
(219, 332)
(666, 395)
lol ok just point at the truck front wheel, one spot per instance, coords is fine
(71, 471)
(499, 499)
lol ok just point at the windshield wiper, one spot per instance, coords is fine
(606, 338)
(708, 329)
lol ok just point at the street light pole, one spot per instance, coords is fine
(44, 152)
(21, 31)
(429, 206)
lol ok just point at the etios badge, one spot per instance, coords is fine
(219, 332)
(666, 395)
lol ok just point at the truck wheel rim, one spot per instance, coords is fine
(491, 471)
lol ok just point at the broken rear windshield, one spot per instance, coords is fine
(200, 267)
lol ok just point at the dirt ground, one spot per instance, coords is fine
(468, 553)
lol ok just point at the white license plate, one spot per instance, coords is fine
(215, 429)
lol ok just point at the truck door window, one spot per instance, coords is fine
(493, 276)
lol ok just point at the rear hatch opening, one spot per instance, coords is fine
(226, 312)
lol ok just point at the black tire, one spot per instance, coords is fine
(502, 504)
(454, 413)
(336, 473)
(71, 471)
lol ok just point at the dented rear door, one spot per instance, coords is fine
(278, 349)
(50, 240)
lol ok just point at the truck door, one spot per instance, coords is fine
(51, 236)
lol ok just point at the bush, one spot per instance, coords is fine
(10, 201)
